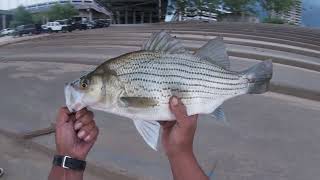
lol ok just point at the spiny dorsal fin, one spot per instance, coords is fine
(215, 52)
(162, 41)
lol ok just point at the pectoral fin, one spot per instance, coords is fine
(149, 130)
(138, 102)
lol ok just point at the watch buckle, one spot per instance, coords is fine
(64, 162)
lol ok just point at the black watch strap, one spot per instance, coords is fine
(69, 163)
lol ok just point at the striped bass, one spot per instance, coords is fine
(138, 85)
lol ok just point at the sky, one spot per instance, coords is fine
(310, 13)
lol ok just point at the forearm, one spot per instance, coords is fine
(185, 167)
(59, 173)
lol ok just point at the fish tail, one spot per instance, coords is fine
(259, 77)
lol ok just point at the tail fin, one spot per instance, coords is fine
(259, 77)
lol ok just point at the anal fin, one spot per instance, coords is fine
(149, 130)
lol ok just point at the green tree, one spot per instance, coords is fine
(276, 5)
(21, 16)
(240, 6)
(38, 18)
(181, 5)
(59, 11)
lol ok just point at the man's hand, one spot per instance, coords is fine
(177, 136)
(177, 140)
(75, 133)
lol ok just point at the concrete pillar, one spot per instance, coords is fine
(134, 17)
(90, 15)
(150, 17)
(159, 10)
(4, 21)
(118, 17)
(126, 16)
(142, 18)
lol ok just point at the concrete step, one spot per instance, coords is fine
(260, 143)
(271, 136)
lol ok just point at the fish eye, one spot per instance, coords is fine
(84, 85)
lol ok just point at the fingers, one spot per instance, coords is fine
(180, 112)
(178, 109)
(83, 117)
(167, 124)
(88, 132)
(93, 135)
(63, 115)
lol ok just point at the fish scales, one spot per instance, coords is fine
(158, 71)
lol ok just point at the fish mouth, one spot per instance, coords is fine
(73, 98)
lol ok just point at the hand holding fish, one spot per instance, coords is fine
(177, 136)
(75, 133)
(177, 141)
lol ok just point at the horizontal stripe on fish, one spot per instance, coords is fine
(174, 69)
(184, 84)
(169, 90)
(186, 78)
(172, 61)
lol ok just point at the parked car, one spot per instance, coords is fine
(57, 26)
(6, 32)
(101, 23)
(27, 29)
(79, 25)
(91, 25)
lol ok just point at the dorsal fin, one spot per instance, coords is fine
(162, 41)
(215, 51)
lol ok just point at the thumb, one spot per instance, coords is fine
(63, 115)
(178, 109)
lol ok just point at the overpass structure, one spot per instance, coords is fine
(5, 17)
(89, 9)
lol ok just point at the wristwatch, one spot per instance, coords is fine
(68, 162)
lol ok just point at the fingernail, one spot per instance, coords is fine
(81, 134)
(87, 138)
(174, 101)
(78, 125)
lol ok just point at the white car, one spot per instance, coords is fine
(6, 32)
(55, 27)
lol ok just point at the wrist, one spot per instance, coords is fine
(180, 154)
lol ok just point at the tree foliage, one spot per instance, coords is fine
(21, 16)
(59, 11)
(276, 5)
(240, 6)
(181, 5)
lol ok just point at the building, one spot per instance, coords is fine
(88, 9)
(5, 17)
(294, 15)
(137, 11)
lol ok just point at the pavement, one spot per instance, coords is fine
(272, 136)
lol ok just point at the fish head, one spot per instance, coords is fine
(83, 92)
